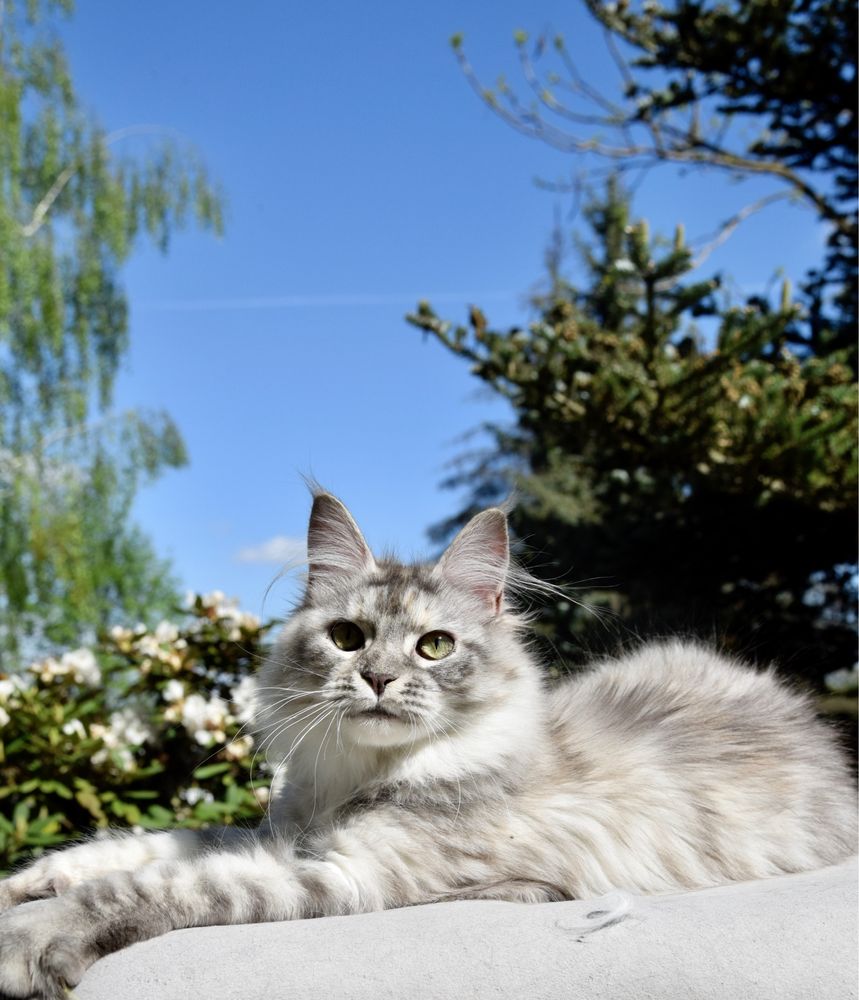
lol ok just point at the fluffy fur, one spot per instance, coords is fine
(405, 780)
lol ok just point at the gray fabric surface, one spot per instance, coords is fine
(783, 938)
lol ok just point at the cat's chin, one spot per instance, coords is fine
(377, 730)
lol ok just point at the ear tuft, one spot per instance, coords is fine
(478, 558)
(335, 545)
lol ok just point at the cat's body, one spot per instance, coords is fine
(668, 768)
(424, 759)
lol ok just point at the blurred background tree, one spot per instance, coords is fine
(698, 454)
(72, 210)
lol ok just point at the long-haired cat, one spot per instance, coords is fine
(421, 757)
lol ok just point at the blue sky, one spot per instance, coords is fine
(361, 174)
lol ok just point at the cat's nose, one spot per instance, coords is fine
(378, 682)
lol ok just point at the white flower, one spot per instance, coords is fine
(151, 645)
(194, 711)
(127, 729)
(166, 632)
(173, 691)
(130, 728)
(148, 645)
(244, 699)
(48, 669)
(213, 599)
(194, 795)
(4, 717)
(12, 685)
(205, 720)
(227, 609)
(74, 727)
(239, 748)
(83, 666)
(79, 664)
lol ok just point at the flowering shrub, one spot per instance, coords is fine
(148, 728)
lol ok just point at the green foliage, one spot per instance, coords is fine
(148, 728)
(694, 454)
(73, 208)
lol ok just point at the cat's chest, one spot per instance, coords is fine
(313, 794)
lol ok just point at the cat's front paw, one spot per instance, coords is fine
(42, 951)
(41, 880)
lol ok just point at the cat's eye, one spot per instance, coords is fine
(347, 636)
(435, 645)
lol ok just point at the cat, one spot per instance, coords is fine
(428, 760)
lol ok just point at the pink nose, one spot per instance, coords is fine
(378, 682)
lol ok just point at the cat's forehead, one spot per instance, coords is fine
(409, 596)
(398, 592)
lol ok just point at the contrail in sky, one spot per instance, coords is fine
(303, 301)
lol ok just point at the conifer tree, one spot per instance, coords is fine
(680, 449)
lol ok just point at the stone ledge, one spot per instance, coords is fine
(787, 938)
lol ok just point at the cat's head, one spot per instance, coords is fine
(389, 654)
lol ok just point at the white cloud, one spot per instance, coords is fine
(280, 549)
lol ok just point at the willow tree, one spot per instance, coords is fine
(75, 201)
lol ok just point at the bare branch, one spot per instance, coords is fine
(45, 204)
(581, 85)
(635, 131)
(715, 240)
(619, 61)
(56, 189)
(549, 101)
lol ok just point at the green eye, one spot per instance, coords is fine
(435, 645)
(347, 636)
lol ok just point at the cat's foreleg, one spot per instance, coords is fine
(51, 942)
(61, 870)
(48, 944)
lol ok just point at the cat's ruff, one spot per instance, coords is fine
(419, 757)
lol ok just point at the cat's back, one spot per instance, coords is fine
(685, 696)
(733, 753)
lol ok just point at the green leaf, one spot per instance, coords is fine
(209, 770)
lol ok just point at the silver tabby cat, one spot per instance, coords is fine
(428, 761)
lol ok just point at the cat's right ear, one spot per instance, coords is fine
(335, 545)
(478, 559)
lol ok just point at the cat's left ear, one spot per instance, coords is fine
(478, 558)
